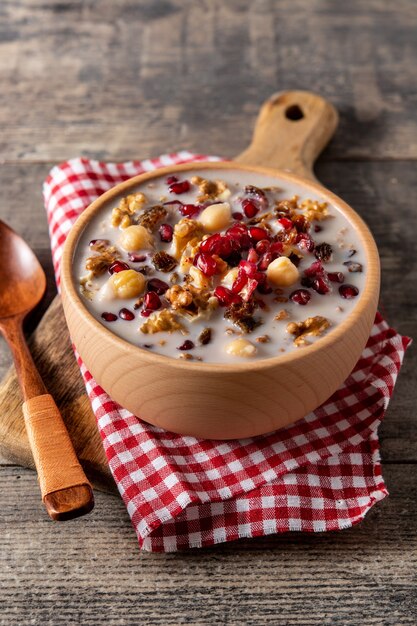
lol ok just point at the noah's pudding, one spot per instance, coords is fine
(220, 267)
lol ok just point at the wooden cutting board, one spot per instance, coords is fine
(291, 131)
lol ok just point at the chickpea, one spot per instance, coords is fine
(216, 217)
(136, 238)
(127, 284)
(241, 347)
(282, 272)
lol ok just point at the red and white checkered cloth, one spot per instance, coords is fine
(322, 473)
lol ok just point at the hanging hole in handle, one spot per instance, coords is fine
(294, 113)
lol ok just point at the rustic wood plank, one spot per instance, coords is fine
(116, 80)
(90, 571)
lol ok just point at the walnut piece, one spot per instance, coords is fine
(121, 215)
(313, 326)
(315, 210)
(163, 261)
(99, 263)
(160, 321)
(210, 189)
(281, 315)
(152, 217)
(186, 231)
(179, 297)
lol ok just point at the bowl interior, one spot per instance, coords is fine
(259, 176)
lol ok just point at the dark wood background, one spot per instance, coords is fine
(131, 79)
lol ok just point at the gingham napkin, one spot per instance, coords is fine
(322, 473)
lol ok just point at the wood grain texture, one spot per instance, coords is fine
(361, 576)
(117, 79)
(134, 79)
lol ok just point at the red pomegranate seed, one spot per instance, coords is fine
(109, 317)
(305, 242)
(237, 216)
(171, 179)
(136, 258)
(276, 249)
(158, 286)
(317, 228)
(226, 297)
(205, 263)
(348, 291)
(248, 289)
(127, 315)
(187, 345)
(189, 210)
(301, 296)
(266, 259)
(249, 268)
(336, 277)
(315, 269)
(151, 301)
(262, 246)
(146, 312)
(252, 256)
(258, 195)
(118, 266)
(240, 280)
(179, 187)
(300, 223)
(239, 237)
(165, 232)
(263, 286)
(285, 223)
(94, 242)
(257, 233)
(250, 208)
(320, 285)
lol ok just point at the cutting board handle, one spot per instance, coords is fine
(292, 129)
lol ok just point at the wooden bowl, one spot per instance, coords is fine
(224, 401)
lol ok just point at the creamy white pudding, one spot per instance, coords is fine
(225, 266)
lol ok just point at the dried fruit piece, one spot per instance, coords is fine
(152, 217)
(323, 252)
(353, 267)
(205, 336)
(241, 314)
(187, 345)
(313, 326)
(163, 261)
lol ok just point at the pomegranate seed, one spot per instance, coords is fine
(249, 268)
(250, 208)
(263, 286)
(317, 228)
(158, 286)
(257, 233)
(239, 237)
(151, 301)
(127, 315)
(240, 280)
(301, 296)
(300, 224)
(248, 289)
(226, 297)
(165, 232)
(146, 312)
(258, 195)
(171, 179)
(315, 269)
(266, 259)
(285, 223)
(179, 187)
(237, 216)
(348, 291)
(187, 345)
(305, 242)
(118, 266)
(336, 277)
(94, 242)
(136, 258)
(205, 263)
(276, 249)
(320, 285)
(217, 244)
(109, 317)
(189, 210)
(252, 256)
(262, 246)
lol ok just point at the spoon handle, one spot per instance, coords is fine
(66, 491)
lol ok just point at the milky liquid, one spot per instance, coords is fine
(336, 230)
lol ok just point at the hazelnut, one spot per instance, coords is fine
(241, 347)
(127, 284)
(282, 272)
(136, 238)
(216, 217)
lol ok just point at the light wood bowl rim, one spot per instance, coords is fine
(366, 298)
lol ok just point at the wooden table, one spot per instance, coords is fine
(132, 79)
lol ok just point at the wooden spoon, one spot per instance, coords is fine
(65, 489)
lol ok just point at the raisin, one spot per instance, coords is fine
(205, 336)
(323, 252)
(352, 266)
(241, 315)
(152, 217)
(164, 261)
